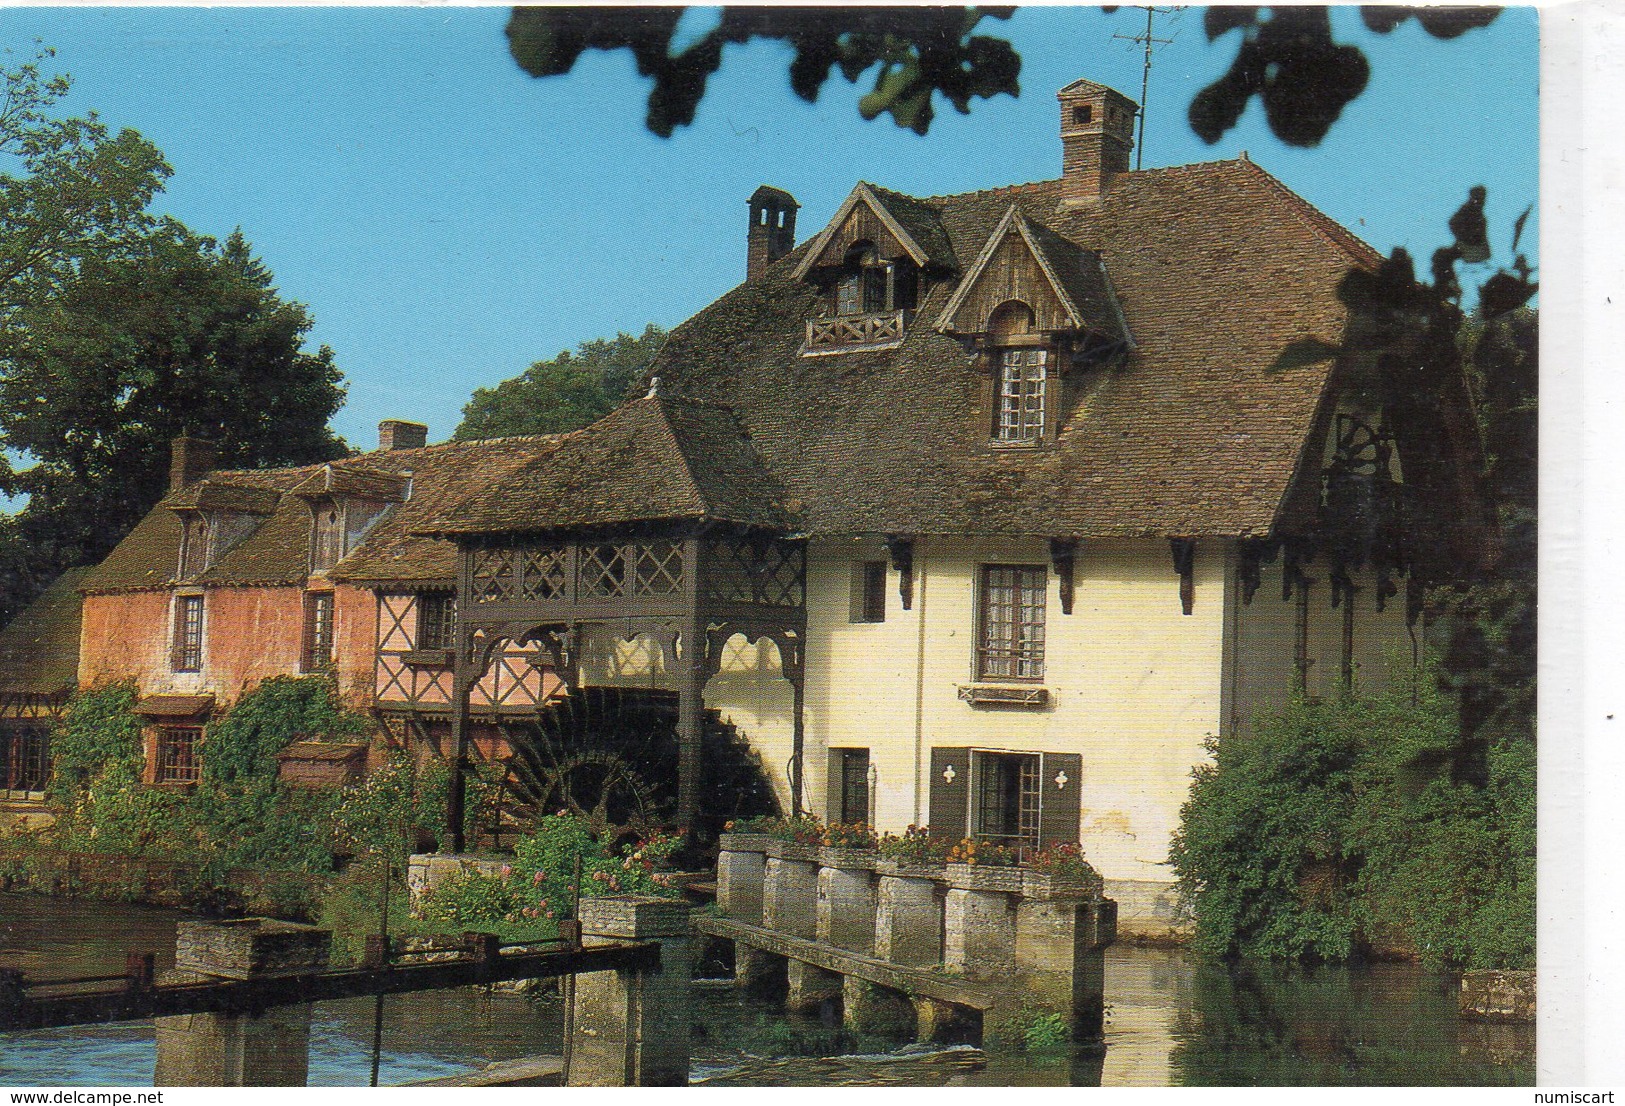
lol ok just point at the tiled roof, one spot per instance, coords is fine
(217, 495)
(278, 551)
(922, 223)
(653, 460)
(1217, 268)
(39, 649)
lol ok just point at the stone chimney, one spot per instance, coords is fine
(1097, 134)
(190, 459)
(772, 229)
(396, 434)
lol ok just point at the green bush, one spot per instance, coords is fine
(279, 711)
(538, 886)
(1333, 828)
(237, 816)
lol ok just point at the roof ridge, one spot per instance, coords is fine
(1317, 220)
(1001, 190)
(659, 402)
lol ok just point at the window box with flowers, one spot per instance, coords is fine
(913, 855)
(980, 876)
(1061, 874)
(850, 847)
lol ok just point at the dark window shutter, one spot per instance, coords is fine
(950, 792)
(832, 788)
(1059, 804)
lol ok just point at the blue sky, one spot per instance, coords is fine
(449, 220)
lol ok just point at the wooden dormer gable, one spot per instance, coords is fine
(1063, 284)
(896, 226)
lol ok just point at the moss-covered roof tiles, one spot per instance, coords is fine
(39, 649)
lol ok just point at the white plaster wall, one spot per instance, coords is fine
(1134, 683)
(1262, 635)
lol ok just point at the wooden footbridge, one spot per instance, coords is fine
(478, 959)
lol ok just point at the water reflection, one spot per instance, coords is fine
(1170, 1022)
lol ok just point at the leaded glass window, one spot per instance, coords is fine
(1023, 378)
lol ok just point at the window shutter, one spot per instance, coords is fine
(950, 792)
(1060, 784)
(177, 641)
(832, 789)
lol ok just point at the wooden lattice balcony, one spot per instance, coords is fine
(840, 333)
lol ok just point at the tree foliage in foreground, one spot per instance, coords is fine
(120, 331)
(1287, 57)
(566, 393)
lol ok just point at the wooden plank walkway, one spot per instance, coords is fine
(911, 981)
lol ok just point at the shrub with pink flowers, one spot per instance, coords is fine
(535, 889)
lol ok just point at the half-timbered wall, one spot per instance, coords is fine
(518, 681)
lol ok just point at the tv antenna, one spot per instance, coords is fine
(1150, 42)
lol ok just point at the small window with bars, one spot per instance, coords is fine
(25, 760)
(179, 754)
(868, 591)
(1023, 378)
(437, 621)
(186, 653)
(1007, 799)
(318, 651)
(1010, 634)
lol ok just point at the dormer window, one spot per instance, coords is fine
(194, 545)
(1022, 360)
(328, 544)
(1023, 380)
(861, 287)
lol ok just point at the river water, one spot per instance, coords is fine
(1171, 1021)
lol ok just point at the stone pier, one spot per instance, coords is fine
(979, 932)
(1060, 951)
(846, 908)
(909, 948)
(739, 885)
(908, 921)
(631, 1028)
(810, 987)
(219, 1050)
(790, 896)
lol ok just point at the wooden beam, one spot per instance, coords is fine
(1184, 551)
(910, 981)
(21, 1011)
(1063, 552)
(901, 548)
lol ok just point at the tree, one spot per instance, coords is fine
(173, 333)
(1287, 58)
(563, 394)
(74, 190)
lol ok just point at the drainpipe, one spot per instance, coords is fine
(919, 675)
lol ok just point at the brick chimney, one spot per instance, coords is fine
(1097, 134)
(189, 459)
(772, 229)
(397, 434)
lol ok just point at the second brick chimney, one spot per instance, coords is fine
(189, 459)
(772, 229)
(1097, 134)
(398, 434)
